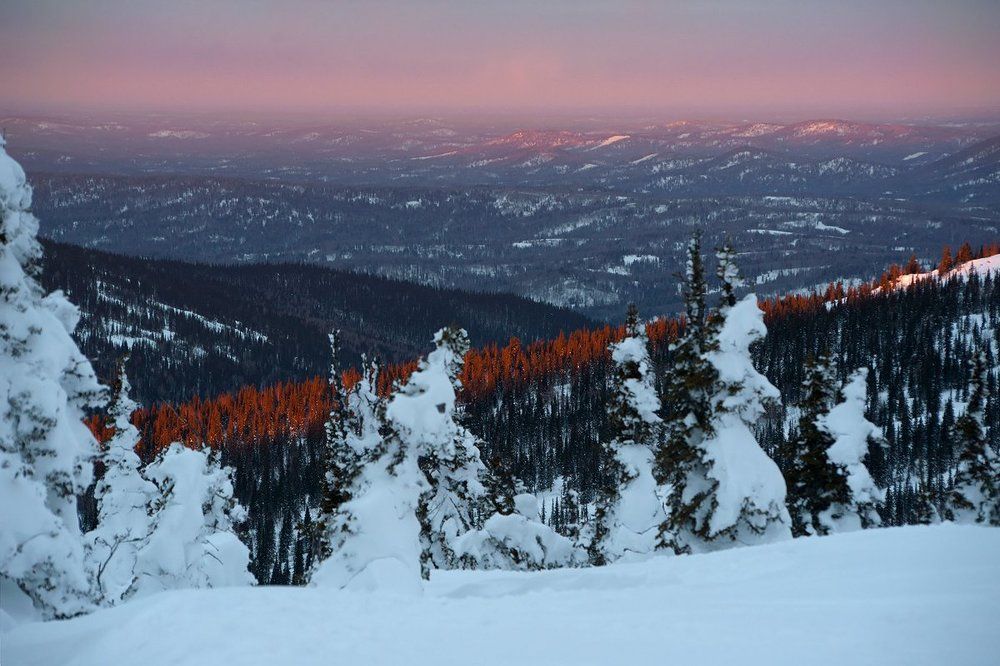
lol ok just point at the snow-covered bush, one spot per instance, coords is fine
(124, 500)
(629, 510)
(727, 491)
(45, 449)
(517, 541)
(192, 543)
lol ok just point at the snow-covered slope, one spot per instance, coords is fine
(913, 595)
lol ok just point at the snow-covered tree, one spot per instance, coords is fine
(829, 486)
(726, 491)
(373, 535)
(124, 497)
(341, 461)
(448, 452)
(192, 543)
(629, 510)
(856, 497)
(688, 388)
(46, 452)
(975, 496)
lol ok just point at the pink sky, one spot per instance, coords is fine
(903, 56)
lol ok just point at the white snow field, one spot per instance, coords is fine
(911, 595)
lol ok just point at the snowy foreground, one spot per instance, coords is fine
(911, 595)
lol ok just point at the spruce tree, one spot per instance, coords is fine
(829, 485)
(124, 499)
(975, 495)
(629, 511)
(46, 385)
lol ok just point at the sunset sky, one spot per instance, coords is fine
(781, 56)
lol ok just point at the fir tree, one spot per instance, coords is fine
(629, 511)
(975, 496)
(124, 499)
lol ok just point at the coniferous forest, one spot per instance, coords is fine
(541, 410)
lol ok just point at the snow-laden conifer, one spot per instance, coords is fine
(629, 510)
(426, 416)
(341, 460)
(687, 389)
(193, 543)
(46, 452)
(829, 486)
(855, 497)
(373, 535)
(975, 495)
(124, 498)
(727, 491)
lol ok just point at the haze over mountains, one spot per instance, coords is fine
(588, 214)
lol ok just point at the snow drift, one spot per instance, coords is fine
(911, 595)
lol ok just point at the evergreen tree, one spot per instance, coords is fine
(726, 490)
(340, 463)
(629, 511)
(829, 486)
(688, 389)
(374, 533)
(448, 453)
(975, 496)
(124, 499)
(46, 384)
(193, 543)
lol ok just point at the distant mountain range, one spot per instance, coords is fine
(587, 217)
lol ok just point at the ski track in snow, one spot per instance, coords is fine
(912, 595)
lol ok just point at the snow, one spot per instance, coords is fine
(981, 267)
(922, 595)
(610, 140)
(536, 545)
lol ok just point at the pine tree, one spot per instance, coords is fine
(810, 478)
(45, 449)
(725, 490)
(975, 496)
(124, 497)
(629, 511)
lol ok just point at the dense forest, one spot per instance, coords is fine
(542, 408)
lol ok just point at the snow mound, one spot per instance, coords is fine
(912, 595)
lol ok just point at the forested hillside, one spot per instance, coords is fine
(198, 329)
(543, 408)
